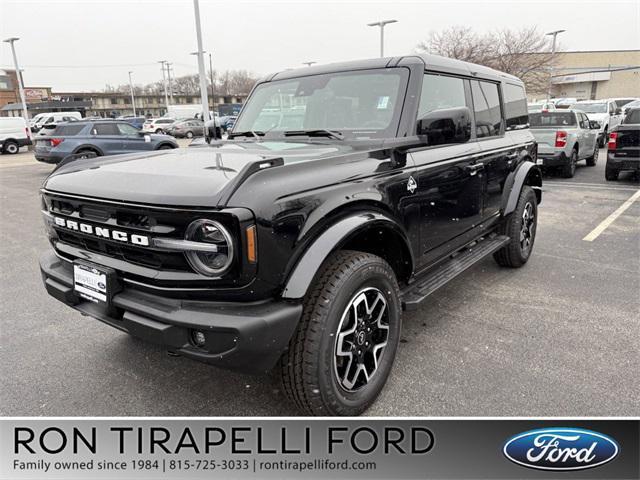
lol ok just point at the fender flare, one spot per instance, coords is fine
(88, 146)
(332, 238)
(516, 180)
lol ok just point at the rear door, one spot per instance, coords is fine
(108, 138)
(448, 185)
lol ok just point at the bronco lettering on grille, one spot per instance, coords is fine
(118, 235)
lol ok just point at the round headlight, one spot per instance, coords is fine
(212, 263)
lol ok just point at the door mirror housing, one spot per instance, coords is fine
(617, 111)
(593, 125)
(450, 125)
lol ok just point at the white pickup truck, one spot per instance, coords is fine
(565, 137)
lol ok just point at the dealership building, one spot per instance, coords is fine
(594, 75)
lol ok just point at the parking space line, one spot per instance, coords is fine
(590, 186)
(595, 233)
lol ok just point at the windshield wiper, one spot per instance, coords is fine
(319, 132)
(248, 133)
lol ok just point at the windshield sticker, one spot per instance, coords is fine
(383, 103)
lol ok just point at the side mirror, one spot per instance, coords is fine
(594, 125)
(618, 111)
(451, 125)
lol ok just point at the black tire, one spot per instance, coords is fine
(189, 135)
(517, 252)
(310, 370)
(86, 151)
(10, 147)
(165, 147)
(604, 139)
(611, 174)
(569, 170)
(593, 159)
(159, 131)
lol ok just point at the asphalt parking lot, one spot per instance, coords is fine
(559, 337)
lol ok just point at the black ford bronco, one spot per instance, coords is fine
(344, 195)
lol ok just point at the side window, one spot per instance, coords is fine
(440, 92)
(106, 129)
(611, 109)
(515, 107)
(585, 121)
(126, 129)
(486, 104)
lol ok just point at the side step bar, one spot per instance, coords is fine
(415, 293)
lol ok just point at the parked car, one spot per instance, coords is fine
(102, 137)
(186, 129)
(605, 112)
(52, 119)
(623, 149)
(157, 125)
(298, 248)
(14, 134)
(564, 138)
(541, 107)
(227, 122)
(49, 128)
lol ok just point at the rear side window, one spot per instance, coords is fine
(106, 129)
(552, 119)
(68, 130)
(633, 116)
(486, 104)
(515, 107)
(440, 92)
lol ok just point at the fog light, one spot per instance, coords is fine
(198, 338)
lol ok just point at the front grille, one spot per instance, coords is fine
(160, 268)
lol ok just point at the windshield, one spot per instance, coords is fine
(359, 104)
(552, 119)
(590, 107)
(633, 116)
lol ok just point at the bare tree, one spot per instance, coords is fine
(524, 53)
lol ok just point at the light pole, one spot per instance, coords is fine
(308, 64)
(381, 24)
(169, 81)
(19, 76)
(213, 95)
(201, 72)
(164, 83)
(133, 99)
(553, 54)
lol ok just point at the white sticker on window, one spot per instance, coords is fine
(383, 103)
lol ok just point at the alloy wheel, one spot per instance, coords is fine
(527, 230)
(361, 339)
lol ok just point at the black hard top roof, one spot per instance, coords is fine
(429, 62)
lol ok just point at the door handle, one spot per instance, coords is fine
(512, 156)
(474, 168)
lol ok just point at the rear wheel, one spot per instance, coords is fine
(86, 153)
(343, 349)
(520, 227)
(189, 134)
(611, 174)
(593, 159)
(10, 147)
(569, 170)
(165, 147)
(159, 130)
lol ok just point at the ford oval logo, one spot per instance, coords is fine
(561, 449)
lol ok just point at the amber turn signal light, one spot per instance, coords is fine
(252, 253)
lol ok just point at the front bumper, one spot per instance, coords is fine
(556, 159)
(248, 337)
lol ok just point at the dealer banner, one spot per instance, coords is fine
(210, 448)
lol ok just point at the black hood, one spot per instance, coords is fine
(194, 176)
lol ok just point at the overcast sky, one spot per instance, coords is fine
(82, 45)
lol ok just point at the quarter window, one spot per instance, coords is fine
(440, 92)
(486, 104)
(515, 107)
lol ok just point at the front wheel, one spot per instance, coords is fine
(189, 135)
(520, 227)
(342, 352)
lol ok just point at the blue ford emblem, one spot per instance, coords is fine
(101, 286)
(561, 449)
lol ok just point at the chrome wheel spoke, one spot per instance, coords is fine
(361, 339)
